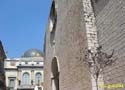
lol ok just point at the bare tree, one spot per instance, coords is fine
(97, 61)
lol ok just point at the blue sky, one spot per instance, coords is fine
(23, 24)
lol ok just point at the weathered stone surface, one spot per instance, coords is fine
(69, 48)
(73, 37)
(111, 35)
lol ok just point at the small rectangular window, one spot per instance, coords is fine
(37, 62)
(26, 62)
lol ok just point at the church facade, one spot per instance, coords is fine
(25, 73)
(76, 26)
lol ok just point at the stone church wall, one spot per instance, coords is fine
(69, 48)
(69, 43)
(110, 17)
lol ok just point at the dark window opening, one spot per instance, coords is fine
(55, 73)
(37, 62)
(26, 62)
(53, 22)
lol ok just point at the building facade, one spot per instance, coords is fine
(2, 74)
(25, 73)
(76, 26)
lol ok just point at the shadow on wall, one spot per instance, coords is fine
(98, 5)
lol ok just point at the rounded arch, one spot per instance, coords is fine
(26, 73)
(26, 78)
(38, 78)
(55, 65)
(55, 73)
(39, 73)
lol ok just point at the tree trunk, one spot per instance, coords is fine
(97, 83)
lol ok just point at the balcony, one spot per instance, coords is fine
(25, 87)
(28, 87)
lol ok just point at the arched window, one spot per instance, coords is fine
(38, 78)
(26, 78)
(53, 23)
(11, 83)
(55, 74)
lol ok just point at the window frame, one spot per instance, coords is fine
(9, 80)
(36, 81)
(26, 81)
